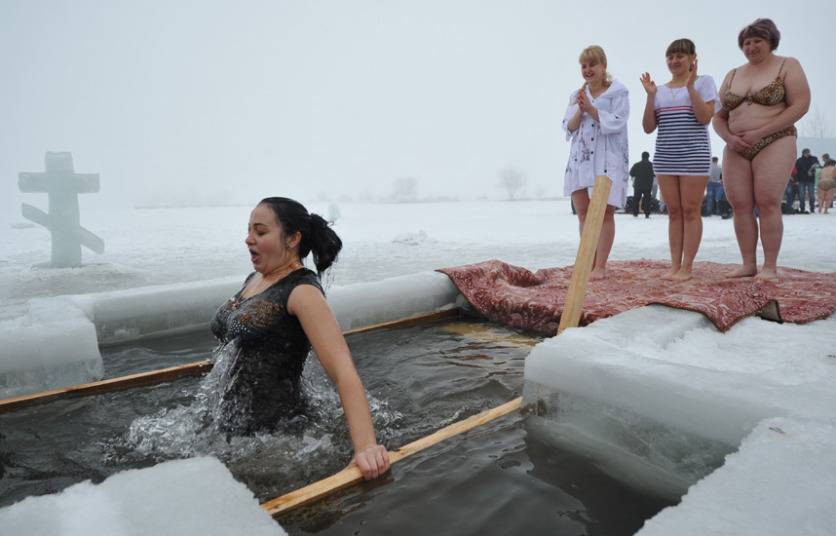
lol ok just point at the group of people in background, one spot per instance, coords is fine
(811, 183)
(810, 180)
(645, 188)
(754, 112)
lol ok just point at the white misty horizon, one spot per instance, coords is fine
(221, 104)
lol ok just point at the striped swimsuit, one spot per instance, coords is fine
(682, 144)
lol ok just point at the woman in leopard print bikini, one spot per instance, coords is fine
(762, 100)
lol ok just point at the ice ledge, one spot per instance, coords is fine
(57, 342)
(780, 482)
(674, 367)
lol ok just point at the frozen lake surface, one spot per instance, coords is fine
(156, 246)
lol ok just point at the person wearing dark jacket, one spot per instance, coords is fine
(805, 174)
(642, 173)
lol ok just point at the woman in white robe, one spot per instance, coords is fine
(596, 124)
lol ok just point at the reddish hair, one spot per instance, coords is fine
(763, 28)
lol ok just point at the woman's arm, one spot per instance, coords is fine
(703, 110)
(573, 116)
(573, 123)
(309, 306)
(649, 117)
(798, 102)
(721, 123)
(721, 127)
(721, 118)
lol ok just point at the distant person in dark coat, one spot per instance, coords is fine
(805, 175)
(642, 173)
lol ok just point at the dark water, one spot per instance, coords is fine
(502, 478)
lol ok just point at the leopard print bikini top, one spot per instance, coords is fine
(771, 94)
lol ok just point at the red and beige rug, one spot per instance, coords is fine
(514, 296)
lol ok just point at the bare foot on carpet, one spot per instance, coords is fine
(743, 271)
(597, 274)
(670, 276)
(768, 274)
(682, 275)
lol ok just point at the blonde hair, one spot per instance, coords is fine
(594, 55)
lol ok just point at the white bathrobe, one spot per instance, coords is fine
(599, 147)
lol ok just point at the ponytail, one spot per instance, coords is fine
(317, 236)
(322, 241)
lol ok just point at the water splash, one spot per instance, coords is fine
(192, 429)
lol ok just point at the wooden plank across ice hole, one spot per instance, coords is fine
(352, 475)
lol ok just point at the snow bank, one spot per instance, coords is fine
(52, 344)
(779, 482)
(56, 343)
(126, 315)
(658, 396)
(395, 298)
(195, 496)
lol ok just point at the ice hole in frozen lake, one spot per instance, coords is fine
(419, 379)
(655, 397)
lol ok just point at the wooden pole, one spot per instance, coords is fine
(586, 253)
(172, 373)
(105, 386)
(351, 475)
(406, 322)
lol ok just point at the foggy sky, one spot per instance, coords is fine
(233, 101)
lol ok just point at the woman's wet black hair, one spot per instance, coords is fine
(317, 236)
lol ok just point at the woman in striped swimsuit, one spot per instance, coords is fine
(681, 109)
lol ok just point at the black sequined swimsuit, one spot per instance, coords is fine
(263, 353)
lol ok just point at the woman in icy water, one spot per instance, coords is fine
(762, 100)
(268, 328)
(596, 123)
(682, 109)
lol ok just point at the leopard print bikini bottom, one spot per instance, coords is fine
(764, 142)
